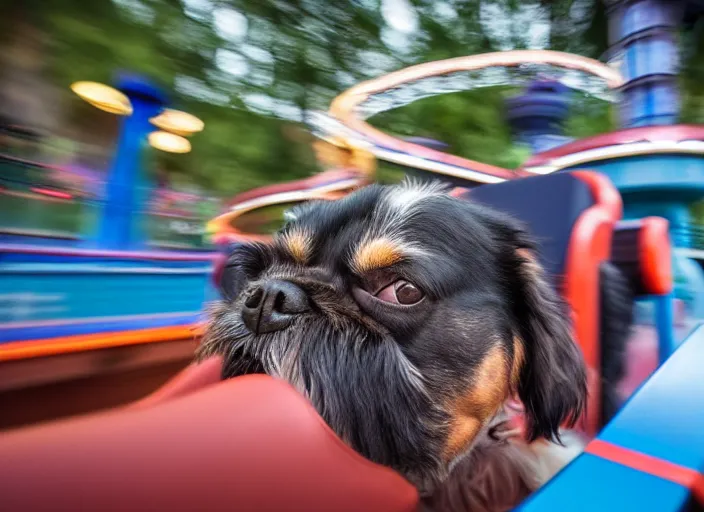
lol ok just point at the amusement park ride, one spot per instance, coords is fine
(72, 314)
(617, 198)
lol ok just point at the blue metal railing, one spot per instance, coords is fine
(689, 236)
(24, 213)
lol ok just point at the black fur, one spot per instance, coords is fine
(617, 301)
(552, 387)
(382, 375)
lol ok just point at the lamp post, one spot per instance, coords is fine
(141, 103)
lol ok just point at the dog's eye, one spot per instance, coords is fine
(400, 292)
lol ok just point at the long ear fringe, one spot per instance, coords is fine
(553, 381)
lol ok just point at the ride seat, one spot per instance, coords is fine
(250, 444)
(642, 252)
(550, 206)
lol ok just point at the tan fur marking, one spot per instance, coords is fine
(531, 265)
(462, 431)
(519, 356)
(471, 411)
(298, 243)
(375, 254)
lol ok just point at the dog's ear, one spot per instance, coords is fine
(552, 382)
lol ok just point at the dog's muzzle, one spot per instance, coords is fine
(273, 305)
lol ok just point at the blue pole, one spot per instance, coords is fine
(121, 219)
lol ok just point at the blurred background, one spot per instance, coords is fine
(252, 72)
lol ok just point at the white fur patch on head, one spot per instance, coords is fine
(297, 211)
(403, 197)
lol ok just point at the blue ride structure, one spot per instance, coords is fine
(67, 304)
(656, 164)
(110, 281)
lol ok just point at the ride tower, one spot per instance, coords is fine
(656, 163)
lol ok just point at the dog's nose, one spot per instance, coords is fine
(273, 305)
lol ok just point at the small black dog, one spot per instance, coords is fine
(408, 318)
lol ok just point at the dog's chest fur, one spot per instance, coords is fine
(497, 476)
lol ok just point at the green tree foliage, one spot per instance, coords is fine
(252, 69)
(481, 134)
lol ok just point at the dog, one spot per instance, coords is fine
(408, 318)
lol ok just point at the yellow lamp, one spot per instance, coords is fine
(363, 161)
(329, 154)
(340, 154)
(175, 121)
(103, 97)
(169, 142)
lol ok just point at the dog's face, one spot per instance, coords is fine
(407, 317)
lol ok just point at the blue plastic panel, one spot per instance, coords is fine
(592, 484)
(49, 295)
(32, 297)
(665, 418)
